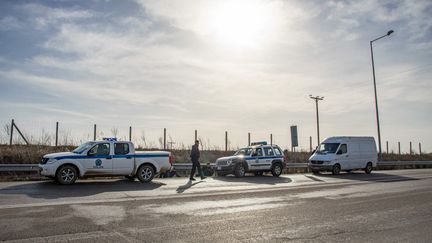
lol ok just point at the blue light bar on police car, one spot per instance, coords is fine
(110, 139)
(259, 143)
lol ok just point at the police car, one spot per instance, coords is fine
(257, 158)
(105, 158)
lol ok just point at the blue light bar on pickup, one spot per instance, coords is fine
(110, 139)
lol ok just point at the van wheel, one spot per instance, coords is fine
(336, 169)
(276, 170)
(368, 168)
(66, 175)
(240, 170)
(145, 173)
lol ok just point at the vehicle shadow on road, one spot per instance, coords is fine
(81, 188)
(361, 176)
(265, 179)
(186, 186)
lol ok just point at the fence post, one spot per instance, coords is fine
(226, 141)
(130, 133)
(94, 132)
(20, 133)
(387, 147)
(196, 136)
(399, 148)
(164, 141)
(410, 147)
(310, 143)
(11, 132)
(248, 138)
(420, 148)
(271, 138)
(56, 136)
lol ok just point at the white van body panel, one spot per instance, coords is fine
(360, 151)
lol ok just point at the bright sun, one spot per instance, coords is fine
(242, 23)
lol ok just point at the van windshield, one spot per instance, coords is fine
(244, 151)
(327, 148)
(83, 147)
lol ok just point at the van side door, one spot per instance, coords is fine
(123, 159)
(342, 156)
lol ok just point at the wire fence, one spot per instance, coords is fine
(72, 133)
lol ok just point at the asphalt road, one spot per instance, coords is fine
(386, 206)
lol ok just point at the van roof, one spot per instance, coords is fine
(337, 139)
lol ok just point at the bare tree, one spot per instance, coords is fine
(143, 139)
(114, 131)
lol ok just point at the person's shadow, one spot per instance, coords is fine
(186, 186)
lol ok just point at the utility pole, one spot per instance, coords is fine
(164, 140)
(317, 98)
(249, 139)
(56, 136)
(226, 140)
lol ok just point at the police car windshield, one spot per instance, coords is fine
(244, 151)
(327, 148)
(83, 147)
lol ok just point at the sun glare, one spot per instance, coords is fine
(242, 23)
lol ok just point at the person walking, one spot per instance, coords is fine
(195, 154)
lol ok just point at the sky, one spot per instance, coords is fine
(238, 66)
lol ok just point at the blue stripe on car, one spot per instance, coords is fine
(265, 157)
(112, 156)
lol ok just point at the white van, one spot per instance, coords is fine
(344, 153)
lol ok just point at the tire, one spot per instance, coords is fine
(66, 175)
(348, 171)
(240, 170)
(315, 172)
(368, 169)
(276, 170)
(336, 169)
(131, 178)
(145, 173)
(259, 173)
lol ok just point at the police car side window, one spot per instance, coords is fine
(259, 152)
(268, 151)
(121, 148)
(100, 149)
(277, 151)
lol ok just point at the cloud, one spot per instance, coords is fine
(9, 23)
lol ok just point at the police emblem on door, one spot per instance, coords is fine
(98, 164)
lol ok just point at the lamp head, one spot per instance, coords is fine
(390, 32)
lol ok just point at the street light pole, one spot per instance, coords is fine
(317, 98)
(376, 97)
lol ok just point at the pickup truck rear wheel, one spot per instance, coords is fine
(145, 173)
(66, 175)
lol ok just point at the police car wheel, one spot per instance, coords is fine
(276, 170)
(240, 170)
(145, 173)
(66, 175)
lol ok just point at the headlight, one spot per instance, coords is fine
(52, 160)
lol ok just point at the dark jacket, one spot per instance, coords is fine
(195, 153)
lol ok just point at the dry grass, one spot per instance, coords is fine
(32, 154)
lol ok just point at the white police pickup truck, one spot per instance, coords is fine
(105, 158)
(257, 158)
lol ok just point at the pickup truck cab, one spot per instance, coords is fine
(257, 158)
(105, 158)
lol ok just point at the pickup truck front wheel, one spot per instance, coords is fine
(145, 173)
(66, 175)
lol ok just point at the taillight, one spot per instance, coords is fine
(171, 159)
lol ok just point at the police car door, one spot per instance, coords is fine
(266, 161)
(254, 164)
(99, 159)
(123, 161)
